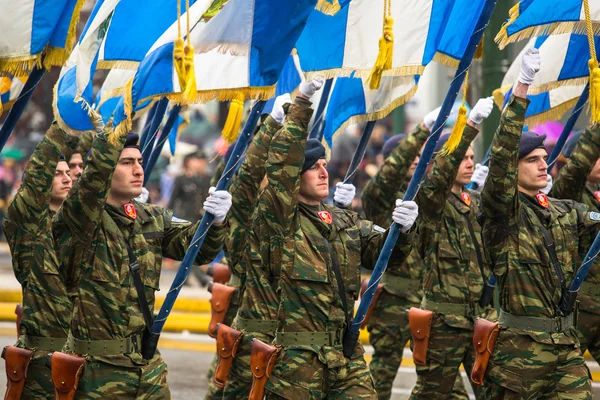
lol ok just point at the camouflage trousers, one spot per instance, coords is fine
(38, 383)
(449, 347)
(588, 326)
(105, 381)
(389, 334)
(299, 374)
(521, 368)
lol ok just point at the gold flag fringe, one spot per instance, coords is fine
(124, 126)
(57, 56)
(119, 64)
(555, 28)
(20, 66)
(406, 70)
(328, 8)
(552, 114)
(204, 96)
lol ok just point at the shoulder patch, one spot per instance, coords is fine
(594, 216)
(178, 220)
(378, 228)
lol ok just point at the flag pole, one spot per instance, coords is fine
(164, 136)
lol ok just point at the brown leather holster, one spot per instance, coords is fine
(219, 304)
(220, 273)
(484, 339)
(19, 313)
(228, 341)
(66, 371)
(363, 288)
(262, 362)
(419, 322)
(17, 361)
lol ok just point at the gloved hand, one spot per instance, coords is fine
(143, 198)
(482, 110)
(479, 175)
(309, 88)
(218, 204)
(530, 65)
(277, 113)
(548, 187)
(405, 214)
(344, 193)
(430, 118)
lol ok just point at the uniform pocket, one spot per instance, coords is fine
(309, 264)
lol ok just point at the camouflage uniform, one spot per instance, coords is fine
(453, 281)
(289, 248)
(92, 236)
(244, 192)
(571, 184)
(529, 363)
(28, 228)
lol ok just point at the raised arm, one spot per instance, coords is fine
(379, 195)
(32, 200)
(571, 179)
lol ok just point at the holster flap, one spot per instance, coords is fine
(484, 339)
(419, 322)
(66, 371)
(221, 273)
(228, 340)
(221, 297)
(17, 362)
(262, 358)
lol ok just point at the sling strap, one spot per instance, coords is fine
(134, 268)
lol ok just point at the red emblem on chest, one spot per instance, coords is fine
(542, 200)
(466, 197)
(597, 195)
(130, 210)
(325, 217)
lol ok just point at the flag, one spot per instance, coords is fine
(544, 106)
(36, 30)
(531, 18)
(347, 43)
(10, 88)
(289, 80)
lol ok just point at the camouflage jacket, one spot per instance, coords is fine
(379, 199)
(292, 244)
(92, 237)
(571, 184)
(453, 273)
(513, 238)
(28, 228)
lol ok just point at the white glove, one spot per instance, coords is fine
(277, 113)
(479, 175)
(482, 110)
(548, 187)
(344, 193)
(143, 198)
(309, 88)
(430, 118)
(218, 204)
(530, 65)
(405, 214)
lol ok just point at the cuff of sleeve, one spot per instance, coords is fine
(518, 101)
(56, 136)
(272, 124)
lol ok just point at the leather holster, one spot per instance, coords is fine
(228, 341)
(484, 339)
(66, 371)
(19, 313)
(17, 361)
(419, 322)
(363, 288)
(219, 304)
(220, 273)
(262, 362)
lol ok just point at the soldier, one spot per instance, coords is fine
(311, 253)
(74, 155)
(533, 243)
(245, 187)
(103, 233)
(450, 245)
(579, 180)
(28, 227)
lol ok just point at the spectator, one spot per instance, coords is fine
(191, 187)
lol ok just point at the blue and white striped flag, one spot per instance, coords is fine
(532, 18)
(36, 31)
(10, 89)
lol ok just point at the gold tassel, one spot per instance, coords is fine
(179, 61)
(234, 119)
(189, 90)
(328, 8)
(459, 126)
(385, 55)
(594, 103)
(479, 51)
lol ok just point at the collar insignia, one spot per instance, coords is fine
(130, 210)
(466, 198)
(597, 195)
(325, 217)
(542, 200)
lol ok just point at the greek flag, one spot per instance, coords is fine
(10, 89)
(36, 32)
(531, 18)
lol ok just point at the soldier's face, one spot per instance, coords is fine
(76, 166)
(314, 183)
(62, 182)
(594, 176)
(465, 170)
(128, 178)
(532, 171)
